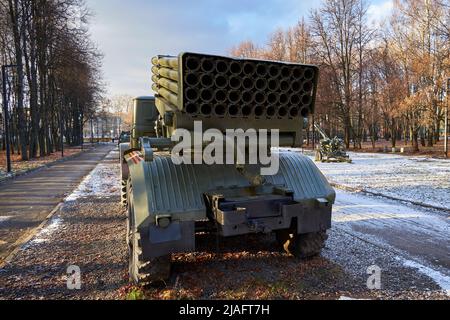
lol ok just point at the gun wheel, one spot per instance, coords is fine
(141, 272)
(302, 246)
(319, 156)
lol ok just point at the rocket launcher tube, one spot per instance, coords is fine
(166, 73)
(168, 84)
(167, 62)
(169, 96)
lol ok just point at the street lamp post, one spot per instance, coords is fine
(92, 132)
(6, 117)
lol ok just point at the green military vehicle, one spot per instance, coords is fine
(124, 137)
(169, 202)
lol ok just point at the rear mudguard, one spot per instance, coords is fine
(124, 171)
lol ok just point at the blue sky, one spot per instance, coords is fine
(130, 32)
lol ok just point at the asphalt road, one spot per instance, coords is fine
(412, 231)
(410, 244)
(26, 201)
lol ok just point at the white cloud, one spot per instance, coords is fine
(129, 33)
(379, 12)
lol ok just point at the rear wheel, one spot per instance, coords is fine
(124, 193)
(302, 246)
(141, 272)
(130, 213)
(149, 272)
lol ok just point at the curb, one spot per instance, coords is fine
(416, 203)
(47, 165)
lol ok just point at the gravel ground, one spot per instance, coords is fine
(89, 232)
(356, 254)
(89, 235)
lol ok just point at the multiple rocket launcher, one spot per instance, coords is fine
(205, 86)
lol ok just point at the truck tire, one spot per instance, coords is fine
(130, 213)
(302, 246)
(143, 273)
(124, 194)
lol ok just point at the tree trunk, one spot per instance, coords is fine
(415, 142)
(393, 133)
(14, 16)
(430, 135)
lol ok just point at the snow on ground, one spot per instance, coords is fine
(45, 234)
(102, 182)
(382, 213)
(418, 238)
(442, 280)
(417, 179)
(5, 218)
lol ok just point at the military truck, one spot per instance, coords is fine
(169, 202)
(124, 137)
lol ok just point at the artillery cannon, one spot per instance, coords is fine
(169, 201)
(331, 150)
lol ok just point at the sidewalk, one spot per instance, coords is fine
(20, 168)
(27, 200)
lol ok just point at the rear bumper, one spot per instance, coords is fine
(312, 217)
(180, 236)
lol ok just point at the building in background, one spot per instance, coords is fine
(103, 127)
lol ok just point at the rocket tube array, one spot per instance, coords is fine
(220, 87)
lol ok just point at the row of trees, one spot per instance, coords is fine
(384, 80)
(56, 83)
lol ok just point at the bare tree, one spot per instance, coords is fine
(276, 47)
(57, 81)
(337, 28)
(246, 49)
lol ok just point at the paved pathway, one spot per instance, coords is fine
(26, 201)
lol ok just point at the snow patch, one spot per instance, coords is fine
(101, 182)
(4, 219)
(417, 179)
(344, 298)
(442, 280)
(390, 215)
(371, 216)
(45, 234)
